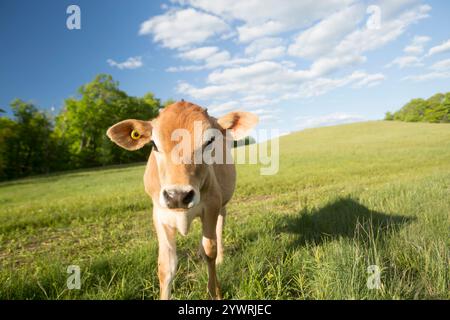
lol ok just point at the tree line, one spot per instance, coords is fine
(435, 109)
(33, 141)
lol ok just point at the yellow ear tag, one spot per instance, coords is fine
(135, 135)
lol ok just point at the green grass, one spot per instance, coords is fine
(345, 197)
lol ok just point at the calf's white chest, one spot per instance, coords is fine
(179, 220)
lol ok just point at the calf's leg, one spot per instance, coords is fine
(219, 233)
(209, 253)
(167, 258)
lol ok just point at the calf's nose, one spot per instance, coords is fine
(179, 198)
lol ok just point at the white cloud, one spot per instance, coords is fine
(185, 68)
(328, 120)
(256, 101)
(326, 34)
(180, 29)
(320, 86)
(248, 33)
(405, 61)
(416, 46)
(440, 70)
(220, 108)
(218, 59)
(208, 57)
(209, 92)
(199, 53)
(369, 80)
(256, 73)
(268, 114)
(441, 65)
(330, 64)
(253, 72)
(270, 53)
(265, 111)
(130, 63)
(247, 103)
(413, 49)
(268, 77)
(443, 47)
(273, 17)
(391, 8)
(266, 117)
(429, 76)
(270, 72)
(330, 39)
(266, 49)
(368, 39)
(333, 43)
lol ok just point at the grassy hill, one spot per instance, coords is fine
(345, 197)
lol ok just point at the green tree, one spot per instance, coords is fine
(412, 111)
(26, 143)
(83, 122)
(446, 105)
(388, 116)
(435, 109)
(8, 133)
(168, 102)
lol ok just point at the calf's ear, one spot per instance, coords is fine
(238, 123)
(131, 134)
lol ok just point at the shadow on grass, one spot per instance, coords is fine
(344, 218)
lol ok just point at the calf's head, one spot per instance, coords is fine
(181, 135)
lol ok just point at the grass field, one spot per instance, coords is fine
(345, 197)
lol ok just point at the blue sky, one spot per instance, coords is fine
(295, 63)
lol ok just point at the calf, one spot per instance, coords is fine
(182, 188)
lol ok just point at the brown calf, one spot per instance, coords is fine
(180, 187)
